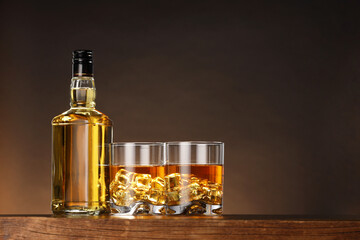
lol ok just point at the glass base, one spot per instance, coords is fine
(195, 208)
(144, 208)
(59, 208)
(79, 212)
(137, 208)
(87, 212)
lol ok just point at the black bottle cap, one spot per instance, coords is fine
(83, 63)
(82, 54)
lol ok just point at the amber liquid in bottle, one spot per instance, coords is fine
(80, 148)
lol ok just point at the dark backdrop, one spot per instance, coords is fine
(277, 81)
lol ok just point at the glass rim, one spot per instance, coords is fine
(137, 144)
(194, 143)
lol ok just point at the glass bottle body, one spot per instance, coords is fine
(80, 156)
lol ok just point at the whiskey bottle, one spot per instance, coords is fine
(80, 147)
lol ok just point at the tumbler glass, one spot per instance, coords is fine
(137, 185)
(194, 177)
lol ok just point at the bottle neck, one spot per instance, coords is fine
(82, 92)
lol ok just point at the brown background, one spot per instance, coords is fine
(278, 82)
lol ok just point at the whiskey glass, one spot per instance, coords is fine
(194, 177)
(137, 185)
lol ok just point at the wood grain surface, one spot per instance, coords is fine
(227, 227)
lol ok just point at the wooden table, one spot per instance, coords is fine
(226, 227)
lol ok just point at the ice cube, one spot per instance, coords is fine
(194, 180)
(216, 186)
(114, 188)
(157, 197)
(124, 177)
(173, 197)
(113, 185)
(158, 183)
(215, 196)
(194, 191)
(212, 193)
(123, 198)
(141, 195)
(204, 182)
(142, 181)
(173, 181)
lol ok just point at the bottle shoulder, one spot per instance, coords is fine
(82, 116)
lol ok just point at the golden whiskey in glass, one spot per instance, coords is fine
(137, 185)
(194, 178)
